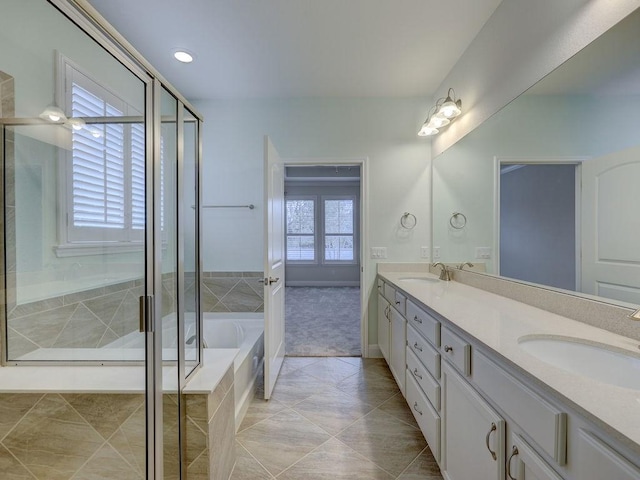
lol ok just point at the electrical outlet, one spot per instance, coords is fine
(436, 253)
(378, 252)
(483, 253)
(424, 252)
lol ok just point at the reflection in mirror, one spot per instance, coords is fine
(549, 185)
(73, 147)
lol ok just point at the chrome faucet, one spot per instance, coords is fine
(465, 264)
(444, 273)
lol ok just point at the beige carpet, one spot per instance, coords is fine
(322, 321)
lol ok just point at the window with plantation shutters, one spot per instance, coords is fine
(339, 230)
(105, 168)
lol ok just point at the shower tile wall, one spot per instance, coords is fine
(232, 292)
(8, 229)
(88, 319)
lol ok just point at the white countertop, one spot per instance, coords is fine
(112, 379)
(498, 322)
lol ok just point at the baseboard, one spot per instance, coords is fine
(302, 283)
(374, 351)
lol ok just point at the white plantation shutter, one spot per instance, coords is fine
(106, 178)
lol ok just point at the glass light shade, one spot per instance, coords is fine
(449, 109)
(438, 122)
(426, 130)
(53, 114)
(96, 133)
(76, 123)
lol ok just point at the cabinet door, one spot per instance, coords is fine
(384, 328)
(598, 461)
(523, 462)
(473, 434)
(398, 364)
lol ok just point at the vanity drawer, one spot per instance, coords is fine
(421, 375)
(427, 418)
(427, 354)
(390, 294)
(400, 302)
(457, 351)
(424, 323)
(544, 423)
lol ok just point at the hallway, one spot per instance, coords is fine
(323, 321)
(332, 418)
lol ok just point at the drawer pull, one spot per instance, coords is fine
(447, 348)
(493, 429)
(416, 374)
(386, 312)
(417, 347)
(397, 302)
(415, 407)
(416, 319)
(514, 452)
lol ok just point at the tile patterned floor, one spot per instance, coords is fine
(332, 418)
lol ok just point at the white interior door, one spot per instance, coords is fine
(611, 226)
(274, 251)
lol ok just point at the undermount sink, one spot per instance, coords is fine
(419, 279)
(597, 361)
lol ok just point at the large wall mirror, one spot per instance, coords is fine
(547, 191)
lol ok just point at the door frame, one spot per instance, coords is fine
(363, 163)
(498, 161)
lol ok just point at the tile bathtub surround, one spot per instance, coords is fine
(332, 418)
(211, 426)
(53, 436)
(232, 292)
(592, 312)
(88, 319)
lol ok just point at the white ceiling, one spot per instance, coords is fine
(301, 48)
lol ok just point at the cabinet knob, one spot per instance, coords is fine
(514, 452)
(493, 429)
(447, 348)
(415, 407)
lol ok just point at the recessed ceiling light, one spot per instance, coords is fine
(182, 56)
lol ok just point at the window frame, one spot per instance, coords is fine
(315, 200)
(354, 234)
(72, 240)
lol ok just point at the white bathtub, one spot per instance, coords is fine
(244, 331)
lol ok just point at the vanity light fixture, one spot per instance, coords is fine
(183, 56)
(441, 114)
(76, 123)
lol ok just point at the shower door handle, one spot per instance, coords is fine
(146, 309)
(271, 280)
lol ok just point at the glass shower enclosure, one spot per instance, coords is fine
(100, 235)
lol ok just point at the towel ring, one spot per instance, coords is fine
(406, 222)
(458, 225)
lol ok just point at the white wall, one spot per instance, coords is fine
(522, 42)
(381, 130)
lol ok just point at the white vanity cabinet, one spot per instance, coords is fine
(523, 462)
(482, 415)
(384, 327)
(473, 434)
(398, 361)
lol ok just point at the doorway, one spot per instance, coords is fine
(323, 264)
(538, 222)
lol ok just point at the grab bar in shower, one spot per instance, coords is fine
(251, 206)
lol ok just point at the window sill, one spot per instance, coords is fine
(83, 249)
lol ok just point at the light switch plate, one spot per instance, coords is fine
(424, 252)
(436, 253)
(378, 252)
(483, 252)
